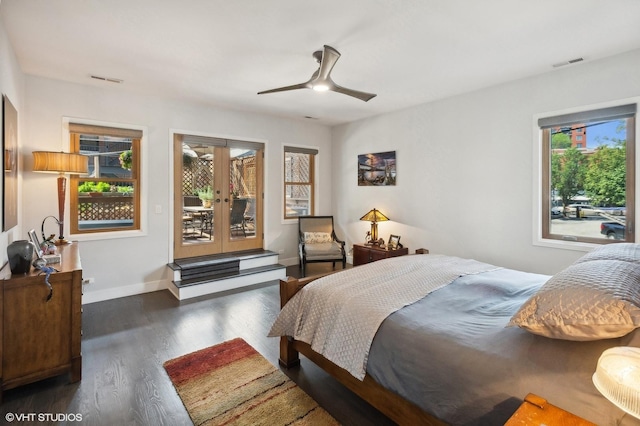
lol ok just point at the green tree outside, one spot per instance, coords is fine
(568, 173)
(605, 179)
(560, 141)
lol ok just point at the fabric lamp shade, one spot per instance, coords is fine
(60, 162)
(374, 216)
(617, 377)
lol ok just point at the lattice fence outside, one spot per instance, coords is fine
(105, 208)
(196, 176)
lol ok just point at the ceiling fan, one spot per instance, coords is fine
(321, 81)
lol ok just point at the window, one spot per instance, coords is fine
(108, 198)
(588, 188)
(299, 171)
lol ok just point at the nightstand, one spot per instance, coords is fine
(363, 253)
(536, 411)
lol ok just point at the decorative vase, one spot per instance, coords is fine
(206, 204)
(20, 253)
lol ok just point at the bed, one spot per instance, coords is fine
(477, 343)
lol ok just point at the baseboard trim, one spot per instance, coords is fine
(123, 291)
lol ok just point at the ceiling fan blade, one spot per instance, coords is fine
(285, 88)
(363, 96)
(321, 78)
(329, 58)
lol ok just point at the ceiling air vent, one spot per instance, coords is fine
(569, 62)
(109, 79)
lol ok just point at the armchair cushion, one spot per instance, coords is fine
(317, 237)
(323, 251)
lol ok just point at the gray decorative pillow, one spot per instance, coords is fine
(589, 300)
(629, 252)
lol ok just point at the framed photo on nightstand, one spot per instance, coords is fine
(394, 242)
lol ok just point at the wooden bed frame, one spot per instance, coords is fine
(389, 403)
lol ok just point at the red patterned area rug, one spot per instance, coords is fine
(232, 384)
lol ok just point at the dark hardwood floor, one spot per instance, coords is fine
(126, 341)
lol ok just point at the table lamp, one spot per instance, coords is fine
(617, 377)
(374, 216)
(61, 163)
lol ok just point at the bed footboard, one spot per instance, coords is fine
(289, 357)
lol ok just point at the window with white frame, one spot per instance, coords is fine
(588, 175)
(299, 171)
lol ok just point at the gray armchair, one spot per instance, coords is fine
(317, 241)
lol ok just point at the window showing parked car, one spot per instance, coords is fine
(581, 210)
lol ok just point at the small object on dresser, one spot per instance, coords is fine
(52, 258)
(394, 242)
(422, 251)
(20, 253)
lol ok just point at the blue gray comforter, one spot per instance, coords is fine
(451, 354)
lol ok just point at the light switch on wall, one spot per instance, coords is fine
(158, 209)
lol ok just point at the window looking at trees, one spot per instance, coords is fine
(108, 198)
(299, 171)
(588, 175)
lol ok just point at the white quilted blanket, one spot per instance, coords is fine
(339, 315)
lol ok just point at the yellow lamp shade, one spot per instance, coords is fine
(374, 215)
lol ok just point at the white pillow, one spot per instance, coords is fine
(589, 300)
(317, 237)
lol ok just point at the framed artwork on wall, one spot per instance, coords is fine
(377, 169)
(10, 163)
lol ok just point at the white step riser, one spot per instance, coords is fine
(258, 261)
(224, 285)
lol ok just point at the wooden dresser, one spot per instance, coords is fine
(41, 338)
(366, 254)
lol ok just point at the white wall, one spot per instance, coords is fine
(465, 168)
(132, 265)
(11, 85)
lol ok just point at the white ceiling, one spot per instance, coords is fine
(222, 53)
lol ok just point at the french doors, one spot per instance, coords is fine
(218, 195)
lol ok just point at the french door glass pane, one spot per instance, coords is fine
(243, 191)
(198, 198)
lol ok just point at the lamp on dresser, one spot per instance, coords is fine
(61, 163)
(374, 216)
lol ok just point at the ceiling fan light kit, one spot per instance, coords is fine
(321, 80)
